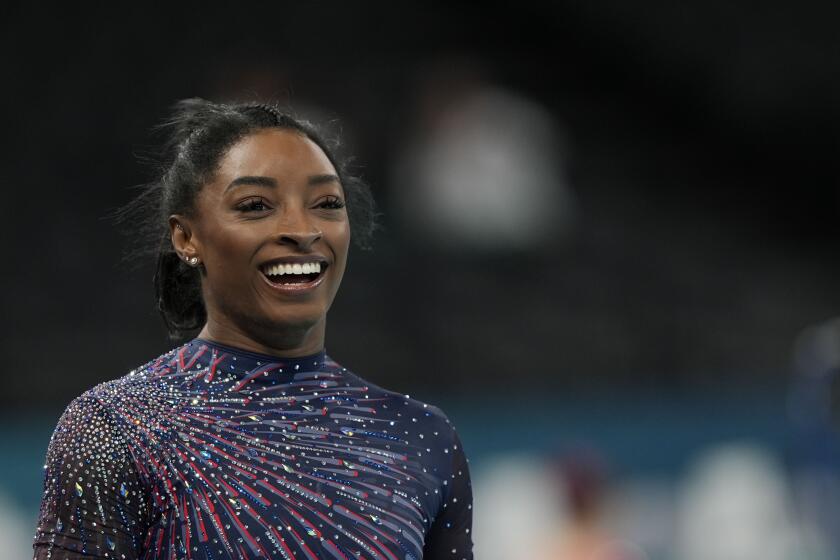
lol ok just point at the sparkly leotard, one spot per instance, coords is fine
(211, 452)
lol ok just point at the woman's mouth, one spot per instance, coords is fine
(294, 275)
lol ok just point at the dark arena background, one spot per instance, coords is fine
(609, 245)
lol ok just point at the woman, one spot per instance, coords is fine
(248, 441)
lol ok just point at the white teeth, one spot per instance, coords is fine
(281, 269)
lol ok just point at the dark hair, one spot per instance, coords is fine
(199, 134)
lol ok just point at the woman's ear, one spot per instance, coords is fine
(181, 235)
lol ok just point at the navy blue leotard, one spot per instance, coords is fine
(212, 452)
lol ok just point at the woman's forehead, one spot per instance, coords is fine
(274, 152)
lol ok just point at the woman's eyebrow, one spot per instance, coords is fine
(270, 182)
(252, 180)
(323, 179)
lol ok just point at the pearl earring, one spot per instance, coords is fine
(193, 261)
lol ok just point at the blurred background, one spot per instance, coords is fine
(609, 246)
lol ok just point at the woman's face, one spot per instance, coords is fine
(272, 234)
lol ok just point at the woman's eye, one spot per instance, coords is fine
(331, 203)
(252, 205)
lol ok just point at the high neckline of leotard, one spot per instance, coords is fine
(316, 359)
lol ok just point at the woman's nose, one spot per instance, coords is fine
(296, 230)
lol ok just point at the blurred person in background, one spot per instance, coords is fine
(583, 533)
(483, 170)
(550, 508)
(814, 412)
(249, 441)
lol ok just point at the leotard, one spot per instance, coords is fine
(212, 452)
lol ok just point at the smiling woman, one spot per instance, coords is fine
(274, 205)
(248, 441)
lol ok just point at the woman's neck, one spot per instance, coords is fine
(288, 341)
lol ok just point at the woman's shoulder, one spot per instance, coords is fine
(89, 427)
(407, 408)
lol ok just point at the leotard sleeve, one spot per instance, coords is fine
(93, 505)
(450, 537)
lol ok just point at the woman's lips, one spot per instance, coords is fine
(295, 277)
